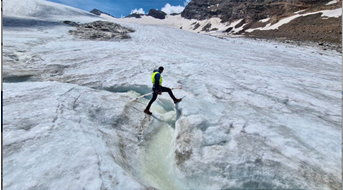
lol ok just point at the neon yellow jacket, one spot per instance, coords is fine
(156, 79)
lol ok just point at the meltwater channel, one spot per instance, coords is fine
(158, 166)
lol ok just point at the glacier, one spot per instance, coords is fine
(254, 114)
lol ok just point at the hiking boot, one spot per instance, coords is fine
(177, 100)
(147, 112)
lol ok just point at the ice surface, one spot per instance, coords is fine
(255, 114)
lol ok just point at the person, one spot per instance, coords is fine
(158, 89)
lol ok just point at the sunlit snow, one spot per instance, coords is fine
(254, 114)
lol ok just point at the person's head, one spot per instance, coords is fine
(161, 69)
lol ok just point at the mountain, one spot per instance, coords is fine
(153, 13)
(157, 14)
(249, 10)
(135, 15)
(252, 12)
(98, 12)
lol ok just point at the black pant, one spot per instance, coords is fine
(154, 95)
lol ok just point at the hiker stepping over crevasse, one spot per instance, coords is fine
(158, 89)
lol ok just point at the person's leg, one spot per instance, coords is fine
(165, 89)
(154, 96)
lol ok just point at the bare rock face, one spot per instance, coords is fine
(250, 10)
(135, 15)
(96, 12)
(157, 14)
(312, 28)
(100, 30)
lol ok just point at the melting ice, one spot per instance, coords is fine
(255, 114)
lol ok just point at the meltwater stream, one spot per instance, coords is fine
(158, 161)
(157, 168)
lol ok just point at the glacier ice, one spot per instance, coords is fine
(253, 116)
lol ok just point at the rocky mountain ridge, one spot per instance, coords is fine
(98, 12)
(152, 12)
(252, 12)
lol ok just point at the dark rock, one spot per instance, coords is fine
(197, 25)
(101, 30)
(250, 10)
(157, 14)
(135, 15)
(71, 23)
(305, 28)
(207, 27)
(228, 29)
(240, 24)
(294, 30)
(98, 12)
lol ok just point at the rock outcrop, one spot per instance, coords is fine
(135, 15)
(249, 14)
(100, 30)
(157, 14)
(98, 12)
(250, 10)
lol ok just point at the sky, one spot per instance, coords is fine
(122, 8)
